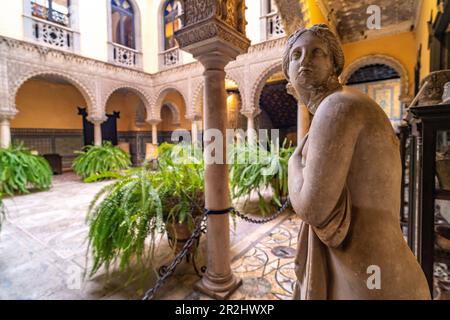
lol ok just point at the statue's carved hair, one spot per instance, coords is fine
(324, 33)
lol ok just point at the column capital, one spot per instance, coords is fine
(214, 36)
(154, 121)
(97, 119)
(193, 117)
(251, 113)
(7, 114)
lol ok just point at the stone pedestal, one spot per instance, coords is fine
(215, 34)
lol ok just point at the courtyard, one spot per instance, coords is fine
(44, 253)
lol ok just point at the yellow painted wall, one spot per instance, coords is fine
(126, 103)
(11, 20)
(428, 8)
(315, 14)
(45, 105)
(166, 115)
(401, 47)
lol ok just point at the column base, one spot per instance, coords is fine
(219, 295)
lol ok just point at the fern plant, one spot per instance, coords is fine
(22, 171)
(130, 212)
(255, 167)
(97, 160)
(138, 207)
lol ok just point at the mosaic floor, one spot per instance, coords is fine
(266, 266)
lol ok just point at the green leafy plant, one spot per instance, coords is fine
(141, 204)
(97, 160)
(22, 171)
(119, 224)
(255, 168)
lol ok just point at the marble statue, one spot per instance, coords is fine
(344, 183)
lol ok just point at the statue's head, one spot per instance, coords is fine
(313, 58)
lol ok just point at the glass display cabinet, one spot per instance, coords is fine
(429, 202)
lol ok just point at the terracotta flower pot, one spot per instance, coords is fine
(178, 234)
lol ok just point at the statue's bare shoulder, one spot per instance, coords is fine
(345, 105)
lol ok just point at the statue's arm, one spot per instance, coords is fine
(316, 187)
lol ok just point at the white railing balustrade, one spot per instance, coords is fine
(124, 56)
(274, 26)
(170, 58)
(52, 34)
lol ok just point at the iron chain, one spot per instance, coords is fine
(199, 229)
(179, 257)
(265, 220)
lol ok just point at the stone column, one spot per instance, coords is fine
(5, 126)
(194, 132)
(303, 115)
(98, 133)
(97, 121)
(252, 135)
(5, 132)
(155, 134)
(154, 123)
(215, 38)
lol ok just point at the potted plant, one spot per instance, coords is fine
(95, 161)
(22, 171)
(143, 204)
(255, 168)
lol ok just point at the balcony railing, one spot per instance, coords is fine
(274, 27)
(52, 34)
(124, 56)
(170, 58)
(55, 16)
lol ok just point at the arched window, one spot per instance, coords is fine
(122, 18)
(56, 11)
(172, 22)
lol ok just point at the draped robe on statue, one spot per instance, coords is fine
(349, 202)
